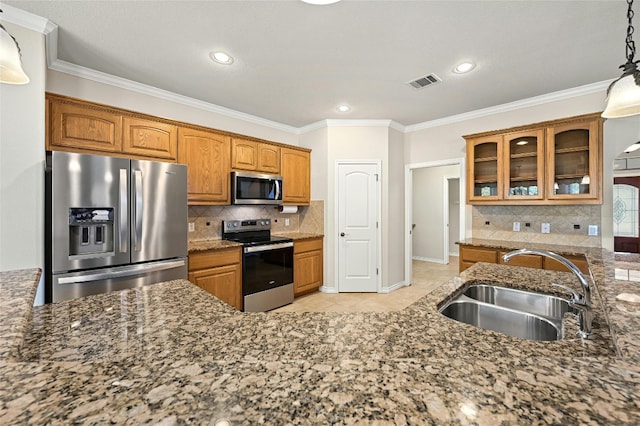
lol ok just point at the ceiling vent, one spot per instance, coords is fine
(427, 80)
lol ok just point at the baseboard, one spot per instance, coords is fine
(394, 287)
(331, 290)
(428, 259)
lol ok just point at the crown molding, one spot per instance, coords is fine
(23, 18)
(560, 95)
(134, 86)
(351, 123)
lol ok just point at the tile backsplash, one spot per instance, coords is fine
(563, 220)
(208, 219)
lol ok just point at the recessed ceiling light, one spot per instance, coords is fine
(343, 108)
(221, 57)
(464, 67)
(321, 2)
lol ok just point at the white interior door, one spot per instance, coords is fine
(358, 207)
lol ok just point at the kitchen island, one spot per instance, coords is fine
(172, 353)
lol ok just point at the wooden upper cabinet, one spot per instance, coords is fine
(524, 165)
(574, 160)
(484, 169)
(207, 156)
(555, 162)
(268, 158)
(150, 138)
(296, 175)
(76, 126)
(254, 156)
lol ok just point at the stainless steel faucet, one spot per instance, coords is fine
(581, 303)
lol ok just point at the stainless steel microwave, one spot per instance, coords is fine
(255, 188)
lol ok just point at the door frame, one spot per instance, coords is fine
(408, 207)
(336, 214)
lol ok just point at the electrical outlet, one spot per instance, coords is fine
(546, 228)
(192, 226)
(286, 222)
(593, 230)
(516, 226)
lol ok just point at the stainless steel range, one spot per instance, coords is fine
(267, 264)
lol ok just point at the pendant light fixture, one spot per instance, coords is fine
(11, 71)
(623, 96)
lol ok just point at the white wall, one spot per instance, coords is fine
(428, 196)
(349, 143)
(393, 262)
(22, 160)
(454, 216)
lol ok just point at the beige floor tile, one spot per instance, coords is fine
(426, 276)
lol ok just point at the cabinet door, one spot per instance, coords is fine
(268, 158)
(308, 264)
(484, 169)
(206, 155)
(78, 127)
(244, 154)
(224, 282)
(296, 176)
(574, 161)
(524, 165)
(150, 138)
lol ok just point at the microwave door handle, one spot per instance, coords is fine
(138, 208)
(277, 189)
(123, 226)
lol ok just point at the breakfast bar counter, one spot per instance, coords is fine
(171, 353)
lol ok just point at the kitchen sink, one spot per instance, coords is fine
(520, 300)
(517, 313)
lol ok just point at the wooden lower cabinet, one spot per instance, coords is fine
(307, 266)
(472, 254)
(219, 272)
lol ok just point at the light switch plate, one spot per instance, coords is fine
(516, 226)
(546, 228)
(286, 222)
(192, 227)
(593, 230)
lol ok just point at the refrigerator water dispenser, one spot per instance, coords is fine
(90, 231)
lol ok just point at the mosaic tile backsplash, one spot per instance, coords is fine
(208, 219)
(563, 221)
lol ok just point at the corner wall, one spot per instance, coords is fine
(22, 159)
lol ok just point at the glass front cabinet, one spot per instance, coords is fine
(524, 165)
(484, 161)
(555, 162)
(574, 161)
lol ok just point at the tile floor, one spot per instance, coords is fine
(426, 277)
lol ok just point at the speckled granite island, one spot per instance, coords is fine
(172, 354)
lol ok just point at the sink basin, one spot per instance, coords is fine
(518, 313)
(525, 301)
(503, 320)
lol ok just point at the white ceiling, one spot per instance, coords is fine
(295, 62)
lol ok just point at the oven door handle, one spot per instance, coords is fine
(267, 247)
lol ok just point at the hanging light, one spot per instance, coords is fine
(623, 96)
(11, 71)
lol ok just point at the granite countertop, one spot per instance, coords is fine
(173, 353)
(216, 244)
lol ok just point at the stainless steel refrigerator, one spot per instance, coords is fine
(112, 224)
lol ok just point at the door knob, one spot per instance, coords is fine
(342, 234)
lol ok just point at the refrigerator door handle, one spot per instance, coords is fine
(122, 272)
(138, 209)
(123, 228)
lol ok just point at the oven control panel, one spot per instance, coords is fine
(246, 225)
